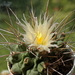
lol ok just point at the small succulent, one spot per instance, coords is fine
(39, 50)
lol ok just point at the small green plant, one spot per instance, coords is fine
(42, 49)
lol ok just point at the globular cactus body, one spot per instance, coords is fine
(40, 51)
(26, 64)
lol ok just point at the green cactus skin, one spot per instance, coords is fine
(15, 58)
(16, 69)
(41, 67)
(26, 63)
(32, 72)
(17, 48)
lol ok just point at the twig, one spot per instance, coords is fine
(47, 71)
(62, 62)
(69, 52)
(56, 71)
(6, 31)
(33, 53)
(13, 54)
(8, 43)
(56, 61)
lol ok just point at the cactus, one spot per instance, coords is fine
(26, 64)
(40, 49)
(34, 62)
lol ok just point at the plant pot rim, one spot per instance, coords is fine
(9, 68)
(72, 69)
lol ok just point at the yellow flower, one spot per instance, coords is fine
(40, 34)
